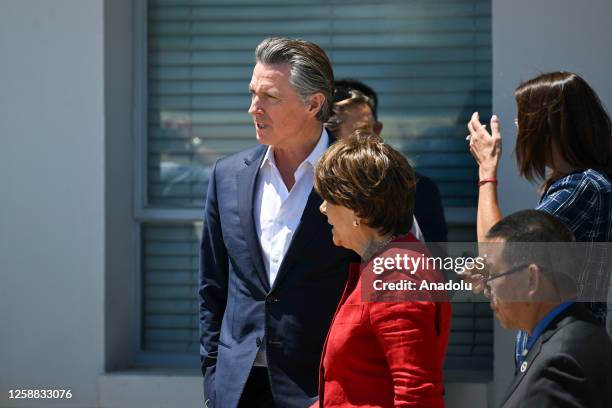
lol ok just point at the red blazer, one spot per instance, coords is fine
(384, 354)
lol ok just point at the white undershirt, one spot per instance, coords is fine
(277, 211)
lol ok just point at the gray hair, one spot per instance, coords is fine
(311, 70)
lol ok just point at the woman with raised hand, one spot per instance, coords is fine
(564, 139)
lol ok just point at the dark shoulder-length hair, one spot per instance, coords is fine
(561, 108)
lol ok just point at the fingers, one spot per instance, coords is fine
(476, 117)
(470, 127)
(472, 124)
(478, 287)
(476, 279)
(495, 127)
(475, 122)
(475, 127)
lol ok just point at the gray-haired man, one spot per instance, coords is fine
(270, 275)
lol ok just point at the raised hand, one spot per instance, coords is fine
(484, 146)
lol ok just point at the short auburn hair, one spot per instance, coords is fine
(561, 108)
(371, 178)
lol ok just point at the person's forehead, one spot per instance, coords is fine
(271, 74)
(361, 109)
(493, 248)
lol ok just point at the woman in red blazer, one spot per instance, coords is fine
(378, 353)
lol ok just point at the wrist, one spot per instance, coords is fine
(487, 173)
(487, 180)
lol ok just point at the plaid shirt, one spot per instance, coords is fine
(583, 201)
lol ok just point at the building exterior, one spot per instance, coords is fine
(76, 227)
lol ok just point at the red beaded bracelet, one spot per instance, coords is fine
(487, 180)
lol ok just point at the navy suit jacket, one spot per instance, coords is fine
(237, 305)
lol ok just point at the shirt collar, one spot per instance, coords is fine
(543, 324)
(313, 157)
(319, 149)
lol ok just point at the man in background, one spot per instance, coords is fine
(356, 106)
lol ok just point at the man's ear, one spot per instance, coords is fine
(534, 282)
(378, 126)
(315, 103)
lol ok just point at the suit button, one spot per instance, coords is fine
(271, 299)
(258, 341)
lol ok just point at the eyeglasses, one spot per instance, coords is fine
(342, 93)
(487, 282)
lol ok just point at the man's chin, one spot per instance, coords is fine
(262, 137)
(336, 242)
(505, 324)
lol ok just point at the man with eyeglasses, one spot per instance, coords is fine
(531, 287)
(356, 106)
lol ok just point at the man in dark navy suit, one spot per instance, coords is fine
(270, 276)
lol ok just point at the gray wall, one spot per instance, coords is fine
(120, 284)
(52, 197)
(530, 37)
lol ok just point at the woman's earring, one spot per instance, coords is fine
(355, 223)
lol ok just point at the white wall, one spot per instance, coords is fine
(530, 37)
(51, 198)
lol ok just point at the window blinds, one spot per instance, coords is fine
(429, 61)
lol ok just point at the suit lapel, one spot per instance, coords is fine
(529, 359)
(560, 321)
(246, 191)
(306, 230)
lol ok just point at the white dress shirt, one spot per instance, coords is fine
(416, 230)
(277, 211)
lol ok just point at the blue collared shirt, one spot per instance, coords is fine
(539, 329)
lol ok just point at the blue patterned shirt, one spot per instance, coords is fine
(583, 201)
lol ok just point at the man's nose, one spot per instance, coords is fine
(255, 108)
(323, 208)
(487, 291)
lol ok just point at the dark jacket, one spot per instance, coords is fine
(428, 210)
(570, 365)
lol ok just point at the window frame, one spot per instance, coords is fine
(144, 212)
